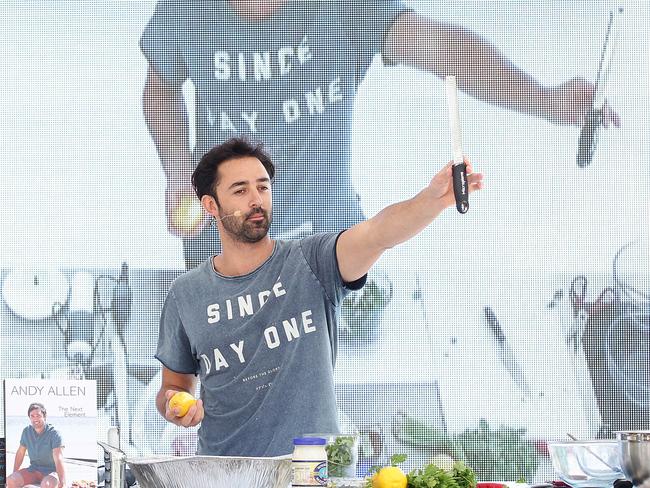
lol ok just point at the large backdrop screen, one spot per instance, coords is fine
(483, 338)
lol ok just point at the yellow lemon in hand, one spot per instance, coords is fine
(389, 477)
(182, 401)
(188, 214)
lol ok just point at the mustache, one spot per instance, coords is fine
(255, 211)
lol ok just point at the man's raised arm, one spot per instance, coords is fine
(360, 247)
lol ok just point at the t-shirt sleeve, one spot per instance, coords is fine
(320, 252)
(23, 437)
(56, 439)
(174, 350)
(367, 23)
(160, 42)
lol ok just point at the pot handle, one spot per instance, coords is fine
(114, 466)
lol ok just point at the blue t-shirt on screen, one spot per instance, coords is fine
(288, 80)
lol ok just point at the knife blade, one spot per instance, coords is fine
(459, 169)
(506, 355)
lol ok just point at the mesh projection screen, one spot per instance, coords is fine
(483, 338)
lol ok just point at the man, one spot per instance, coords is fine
(258, 322)
(286, 73)
(44, 445)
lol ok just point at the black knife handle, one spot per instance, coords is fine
(589, 137)
(494, 325)
(461, 189)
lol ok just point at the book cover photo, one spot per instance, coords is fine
(51, 432)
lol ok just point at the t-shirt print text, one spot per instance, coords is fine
(262, 375)
(261, 66)
(273, 336)
(244, 305)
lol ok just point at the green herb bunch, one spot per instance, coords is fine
(340, 455)
(432, 476)
(493, 454)
(499, 454)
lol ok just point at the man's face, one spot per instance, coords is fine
(244, 186)
(37, 419)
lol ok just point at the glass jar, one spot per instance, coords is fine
(342, 454)
(309, 462)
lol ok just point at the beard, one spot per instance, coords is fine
(245, 230)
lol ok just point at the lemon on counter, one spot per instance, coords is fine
(182, 401)
(389, 477)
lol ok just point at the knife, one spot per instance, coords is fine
(459, 169)
(594, 119)
(506, 355)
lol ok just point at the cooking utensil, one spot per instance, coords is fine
(583, 310)
(213, 471)
(573, 438)
(576, 465)
(506, 355)
(631, 271)
(634, 451)
(594, 119)
(627, 354)
(32, 294)
(459, 169)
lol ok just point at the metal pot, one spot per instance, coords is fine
(213, 471)
(634, 449)
(195, 471)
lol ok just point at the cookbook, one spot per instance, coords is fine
(51, 430)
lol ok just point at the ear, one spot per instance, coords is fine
(209, 204)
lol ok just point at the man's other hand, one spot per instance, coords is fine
(193, 417)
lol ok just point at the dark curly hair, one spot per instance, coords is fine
(204, 178)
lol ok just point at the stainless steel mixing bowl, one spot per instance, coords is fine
(634, 449)
(212, 471)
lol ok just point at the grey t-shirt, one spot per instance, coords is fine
(39, 447)
(263, 345)
(288, 81)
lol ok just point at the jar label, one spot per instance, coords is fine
(309, 473)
